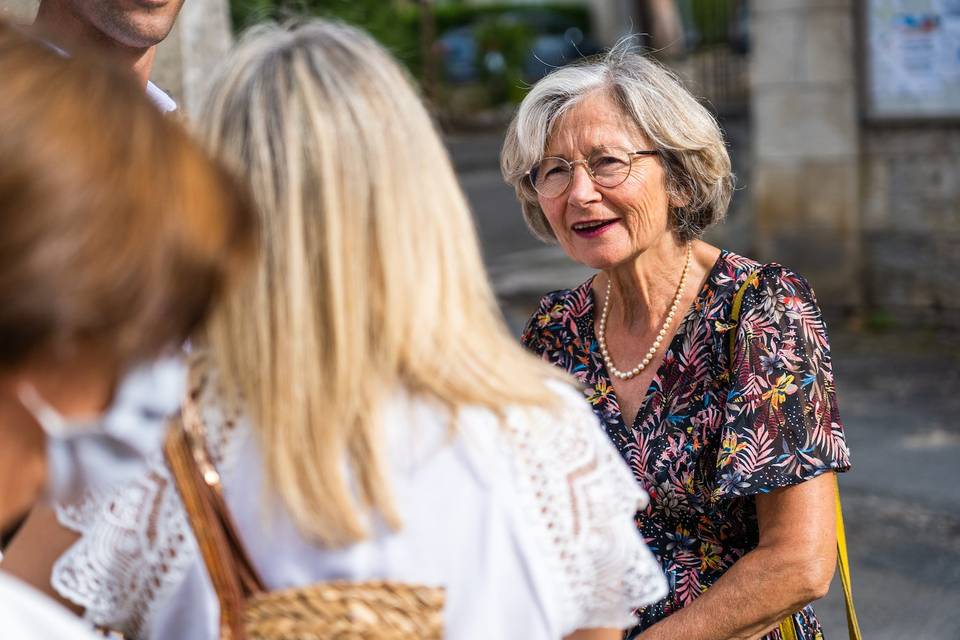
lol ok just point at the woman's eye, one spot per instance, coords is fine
(607, 161)
(554, 171)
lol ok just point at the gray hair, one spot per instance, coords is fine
(691, 146)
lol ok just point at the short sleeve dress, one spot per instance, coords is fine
(711, 434)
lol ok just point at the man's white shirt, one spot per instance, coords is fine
(159, 97)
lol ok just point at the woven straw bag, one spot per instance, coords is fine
(376, 610)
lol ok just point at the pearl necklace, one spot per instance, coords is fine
(601, 330)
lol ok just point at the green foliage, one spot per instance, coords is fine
(712, 19)
(509, 40)
(539, 16)
(395, 25)
(504, 31)
(880, 320)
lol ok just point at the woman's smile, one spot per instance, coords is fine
(592, 228)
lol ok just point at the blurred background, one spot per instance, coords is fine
(843, 124)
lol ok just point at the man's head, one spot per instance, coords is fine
(137, 24)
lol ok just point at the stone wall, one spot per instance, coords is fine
(611, 19)
(18, 10)
(805, 139)
(911, 222)
(869, 212)
(185, 59)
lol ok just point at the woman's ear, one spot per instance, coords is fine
(679, 191)
(678, 199)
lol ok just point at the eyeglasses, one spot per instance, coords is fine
(607, 167)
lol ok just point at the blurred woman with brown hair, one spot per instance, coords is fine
(116, 232)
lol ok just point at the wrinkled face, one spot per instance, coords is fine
(133, 23)
(597, 226)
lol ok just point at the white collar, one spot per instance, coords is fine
(160, 98)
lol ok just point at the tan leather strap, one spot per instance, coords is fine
(231, 572)
(787, 629)
(212, 488)
(210, 538)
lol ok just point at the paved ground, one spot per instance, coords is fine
(898, 397)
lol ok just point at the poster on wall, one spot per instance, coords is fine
(913, 58)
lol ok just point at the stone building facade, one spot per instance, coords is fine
(868, 209)
(911, 222)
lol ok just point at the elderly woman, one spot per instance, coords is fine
(730, 424)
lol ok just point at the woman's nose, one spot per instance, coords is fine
(583, 190)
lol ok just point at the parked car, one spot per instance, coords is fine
(550, 51)
(457, 49)
(552, 42)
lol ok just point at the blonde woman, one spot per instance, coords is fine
(367, 410)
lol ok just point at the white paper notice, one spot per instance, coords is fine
(914, 58)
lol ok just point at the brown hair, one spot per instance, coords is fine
(116, 230)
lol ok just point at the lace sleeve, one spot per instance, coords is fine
(583, 499)
(135, 543)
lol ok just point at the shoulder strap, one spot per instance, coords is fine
(787, 630)
(853, 625)
(754, 279)
(231, 572)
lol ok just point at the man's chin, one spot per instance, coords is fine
(141, 36)
(134, 23)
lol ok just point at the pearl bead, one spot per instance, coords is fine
(602, 326)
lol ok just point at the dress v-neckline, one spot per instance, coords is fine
(657, 380)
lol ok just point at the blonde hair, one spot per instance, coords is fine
(686, 134)
(370, 276)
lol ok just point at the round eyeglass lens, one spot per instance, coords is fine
(609, 167)
(551, 177)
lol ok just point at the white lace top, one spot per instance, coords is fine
(527, 522)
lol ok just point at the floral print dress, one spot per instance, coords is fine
(712, 434)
